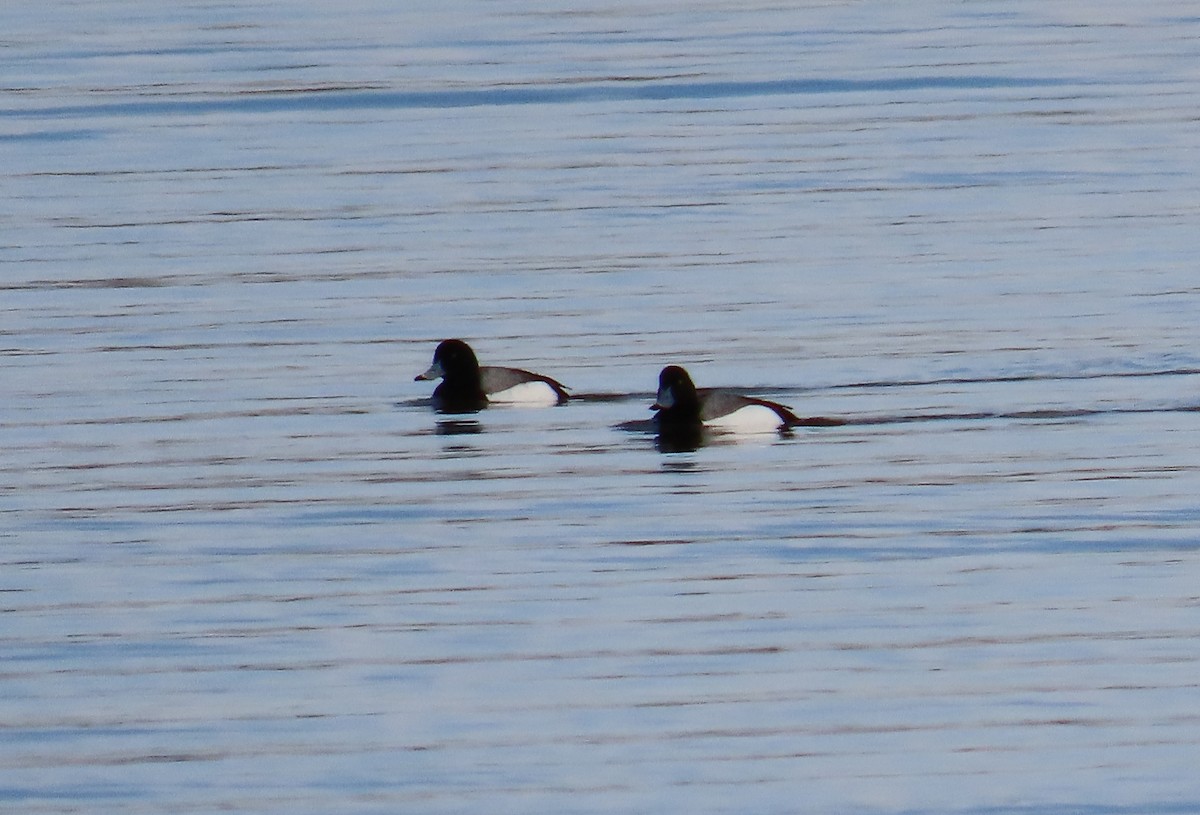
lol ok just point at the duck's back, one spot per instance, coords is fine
(733, 411)
(517, 386)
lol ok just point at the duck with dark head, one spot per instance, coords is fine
(680, 404)
(468, 387)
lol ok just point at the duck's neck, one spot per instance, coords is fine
(460, 393)
(684, 409)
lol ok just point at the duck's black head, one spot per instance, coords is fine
(677, 400)
(453, 361)
(460, 390)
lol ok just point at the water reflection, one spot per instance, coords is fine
(680, 464)
(458, 427)
(686, 439)
(690, 438)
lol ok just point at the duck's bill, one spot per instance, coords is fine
(435, 372)
(663, 400)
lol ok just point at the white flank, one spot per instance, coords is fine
(527, 393)
(750, 419)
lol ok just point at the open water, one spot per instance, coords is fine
(245, 568)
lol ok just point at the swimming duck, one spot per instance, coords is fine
(680, 405)
(467, 386)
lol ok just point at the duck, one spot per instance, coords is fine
(681, 407)
(467, 386)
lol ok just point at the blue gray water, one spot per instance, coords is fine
(244, 567)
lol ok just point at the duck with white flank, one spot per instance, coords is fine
(680, 405)
(467, 386)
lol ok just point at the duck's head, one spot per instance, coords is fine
(452, 359)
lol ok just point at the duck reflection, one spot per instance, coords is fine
(684, 439)
(669, 438)
(458, 427)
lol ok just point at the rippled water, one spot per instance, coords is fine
(244, 566)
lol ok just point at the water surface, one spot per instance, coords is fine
(244, 566)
